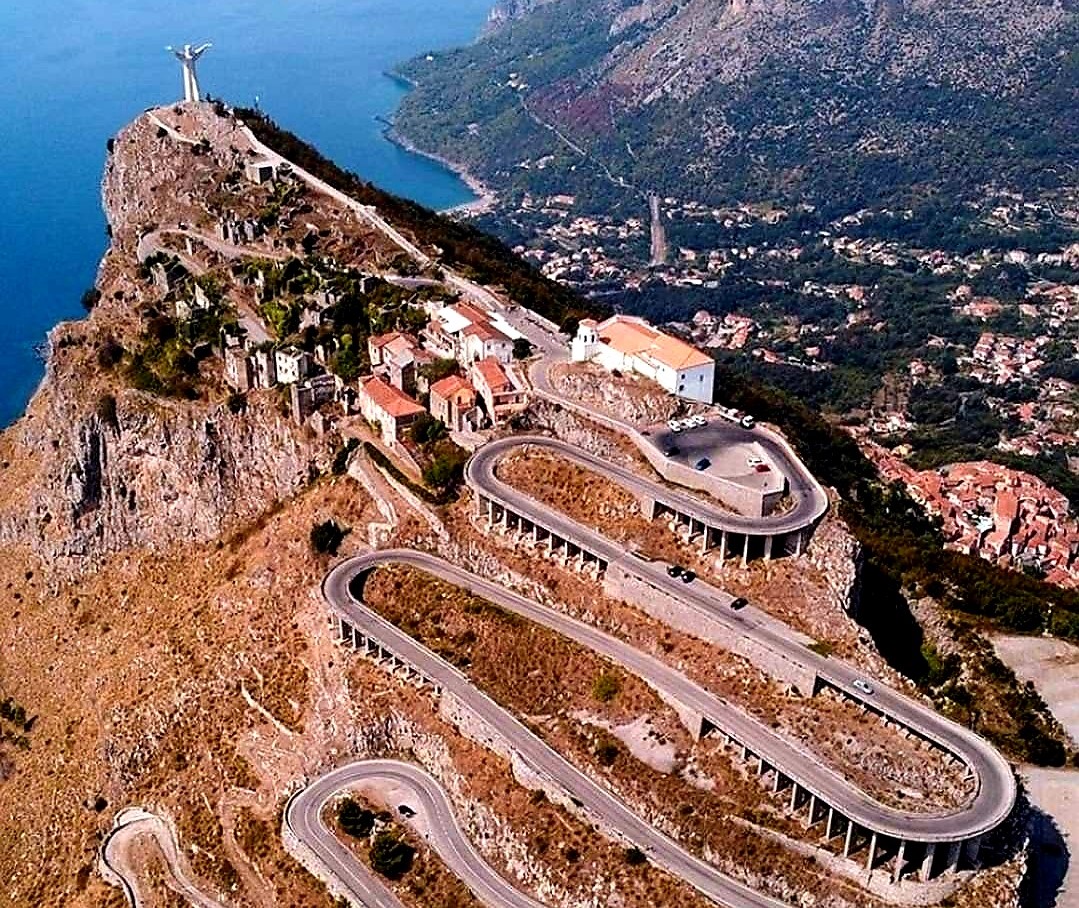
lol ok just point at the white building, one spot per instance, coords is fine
(632, 345)
(293, 364)
(467, 334)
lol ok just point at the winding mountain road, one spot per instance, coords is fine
(595, 800)
(995, 786)
(434, 820)
(810, 501)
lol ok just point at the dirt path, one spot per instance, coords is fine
(120, 866)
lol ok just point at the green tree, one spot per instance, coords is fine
(427, 429)
(391, 856)
(346, 362)
(522, 348)
(326, 537)
(90, 299)
(355, 819)
(606, 687)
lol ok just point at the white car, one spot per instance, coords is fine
(754, 461)
(675, 425)
(699, 420)
(864, 686)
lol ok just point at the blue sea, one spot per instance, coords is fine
(74, 71)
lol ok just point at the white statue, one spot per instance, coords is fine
(187, 56)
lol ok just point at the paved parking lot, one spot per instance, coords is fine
(731, 450)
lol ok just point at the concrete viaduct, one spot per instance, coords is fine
(707, 524)
(914, 846)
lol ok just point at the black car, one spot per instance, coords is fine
(405, 810)
(740, 603)
(675, 570)
(703, 464)
(671, 451)
(688, 576)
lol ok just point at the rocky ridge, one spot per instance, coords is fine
(95, 467)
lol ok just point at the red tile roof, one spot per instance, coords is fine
(392, 401)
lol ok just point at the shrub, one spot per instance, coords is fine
(390, 856)
(340, 458)
(607, 752)
(109, 354)
(357, 821)
(606, 687)
(635, 857)
(326, 537)
(237, 403)
(106, 411)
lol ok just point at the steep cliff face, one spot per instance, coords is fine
(153, 474)
(96, 467)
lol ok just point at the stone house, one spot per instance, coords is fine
(453, 401)
(502, 396)
(293, 364)
(387, 407)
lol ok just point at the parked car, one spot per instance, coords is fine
(740, 603)
(748, 422)
(754, 461)
(671, 450)
(675, 570)
(405, 810)
(703, 464)
(675, 425)
(864, 686)
(688, 576)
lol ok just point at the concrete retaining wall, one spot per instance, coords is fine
(469, 724)
(621, 583)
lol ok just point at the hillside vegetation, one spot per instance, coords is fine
(837, 103)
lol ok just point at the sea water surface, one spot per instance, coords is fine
(73, 72)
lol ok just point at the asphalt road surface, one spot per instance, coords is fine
(810, 500)
(593, 799)
(426, 797)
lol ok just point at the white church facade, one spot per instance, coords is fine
(630, 344)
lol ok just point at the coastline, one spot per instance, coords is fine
(486, 197)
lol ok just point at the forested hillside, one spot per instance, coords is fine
(835, 103)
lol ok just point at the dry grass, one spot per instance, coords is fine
(497, 649)
(136, 676)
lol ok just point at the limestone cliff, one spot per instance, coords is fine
(95, 466)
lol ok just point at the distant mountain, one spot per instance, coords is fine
(838, 103)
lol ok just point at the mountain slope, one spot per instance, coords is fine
(835, 102)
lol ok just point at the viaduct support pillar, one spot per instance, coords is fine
(829, 826)
(722, 547)
(971, 849)
(745, 552)
(849, 840)
(705, 541)
(900, 860)
(954, 850)
(767, 548)
(927, 863)
(872, 852)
